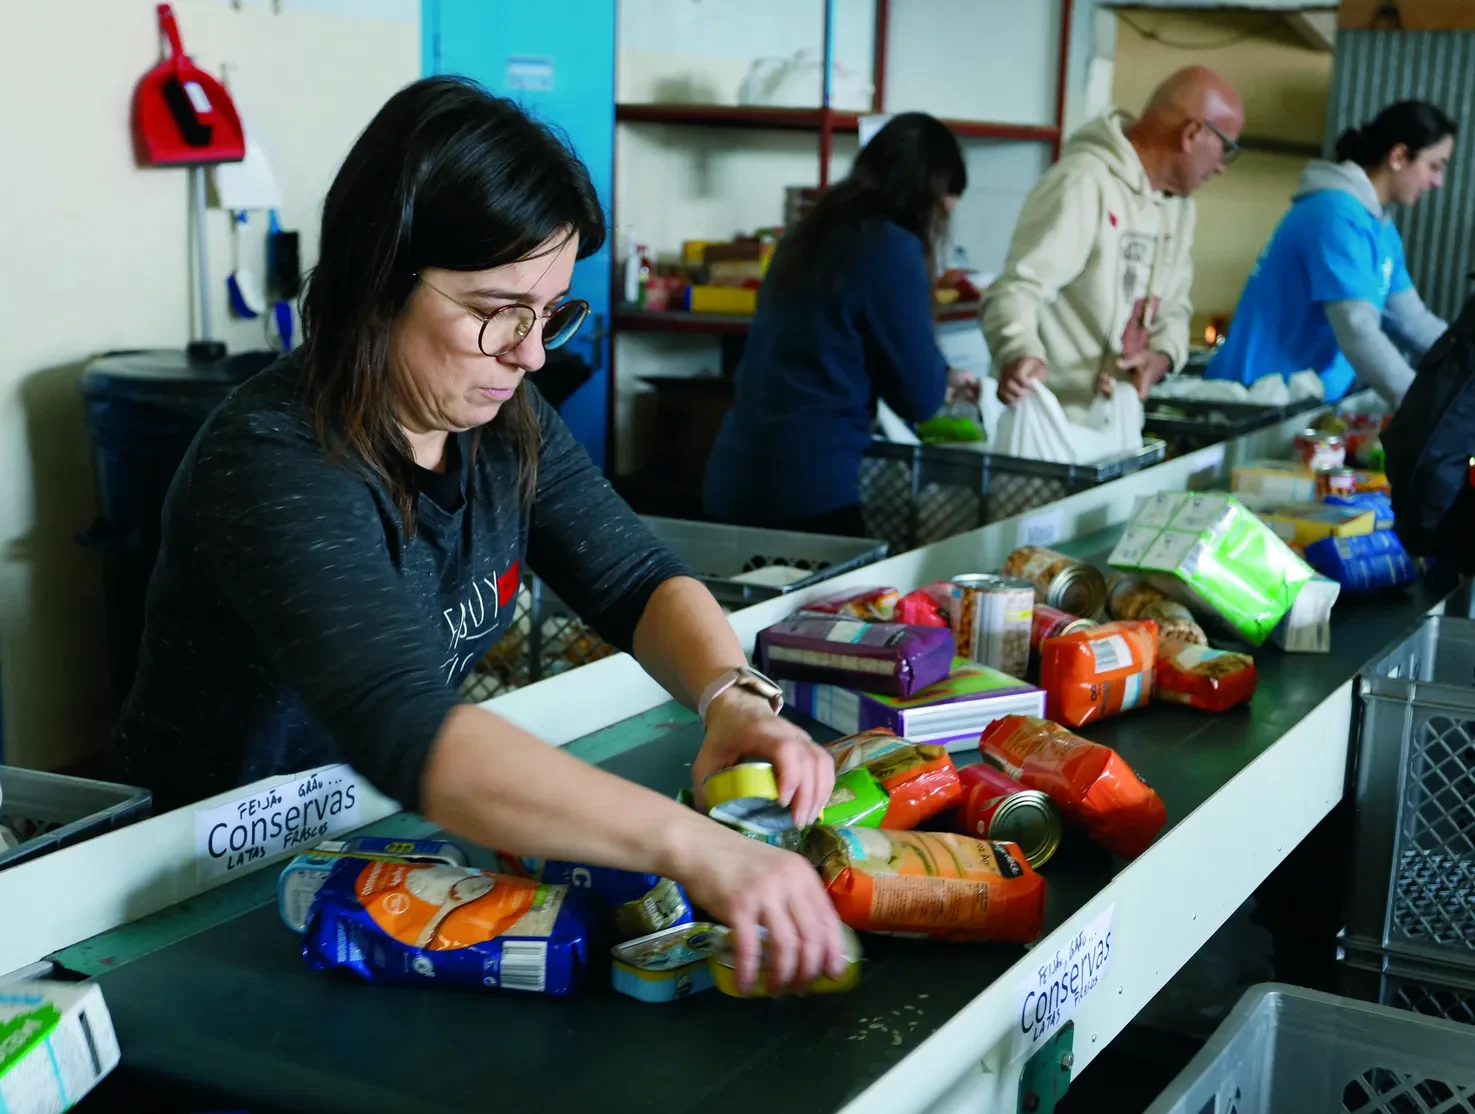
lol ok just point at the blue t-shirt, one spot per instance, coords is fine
(821, 351)
(1328, 248)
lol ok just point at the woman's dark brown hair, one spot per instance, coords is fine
(446, 175)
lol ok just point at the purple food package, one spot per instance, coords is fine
(889, 658)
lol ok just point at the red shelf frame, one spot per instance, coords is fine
(826, 122)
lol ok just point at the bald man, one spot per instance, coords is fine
(1096, 285)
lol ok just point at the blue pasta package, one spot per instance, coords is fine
(636, 904)
(1369, 563)
(434, 924)
(1379, 502)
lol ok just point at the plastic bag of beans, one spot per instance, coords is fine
(1092, 674)
(937, 884)
(920, 780)
(1212, 680)
(1092, 784)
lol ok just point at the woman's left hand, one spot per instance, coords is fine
(741, 725)
(963, 386)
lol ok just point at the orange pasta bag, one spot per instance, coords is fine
(920, 780)
(1092, 784)
(937, 884)
(1092, 674)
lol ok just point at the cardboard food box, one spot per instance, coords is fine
(1300, 524)
(1209, 552)
(951, 713)
(56, 1043)
(1275, 481)
(1307, 626)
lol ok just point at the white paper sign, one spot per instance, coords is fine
(1059, 983)
(295, 814)
(1042, 529)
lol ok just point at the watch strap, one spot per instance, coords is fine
(745, 677)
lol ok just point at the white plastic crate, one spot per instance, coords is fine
(1285, 1050)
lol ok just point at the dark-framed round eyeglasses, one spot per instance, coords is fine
(507, 326)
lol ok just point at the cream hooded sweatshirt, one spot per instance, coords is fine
(1099, 267)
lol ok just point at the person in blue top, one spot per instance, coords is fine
(1331, 293)
(844, 318)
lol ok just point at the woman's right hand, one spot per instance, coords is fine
(746, 884)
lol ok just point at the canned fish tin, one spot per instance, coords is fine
(992, 616)
(667, 965)
(724, 969)
(996, 807)
(744, 781)
(1319, 451)
(745, 797)
(1060, 581)
(1051, 622)
(303, 877)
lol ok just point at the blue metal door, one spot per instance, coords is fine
(559, 63)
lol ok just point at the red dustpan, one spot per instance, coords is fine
(181, 115)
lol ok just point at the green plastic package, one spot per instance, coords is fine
(857, 802)
(1209, 552)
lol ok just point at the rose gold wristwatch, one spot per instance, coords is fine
(745, 678)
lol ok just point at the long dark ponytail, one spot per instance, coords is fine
(445, 175)
(902, 175)
(1414, 125)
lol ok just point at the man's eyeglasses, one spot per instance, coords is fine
(1230, 147)
(506, 327)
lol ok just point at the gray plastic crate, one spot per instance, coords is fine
(546, 638)
(1412, 888)
(1285, 1050)
(1391, 980)
(913, 495)
(47, 811)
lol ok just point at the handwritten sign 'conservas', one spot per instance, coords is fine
(291, 816)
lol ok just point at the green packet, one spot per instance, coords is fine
(857, 801)
(1209, 552)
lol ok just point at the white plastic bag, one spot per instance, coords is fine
(1038, 429)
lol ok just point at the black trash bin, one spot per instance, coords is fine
(143, 408)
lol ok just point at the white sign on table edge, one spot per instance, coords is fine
(294, 814)
(1042, 529)
(1058, 983)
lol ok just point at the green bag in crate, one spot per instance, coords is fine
(1214, 555)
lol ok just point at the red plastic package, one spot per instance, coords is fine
(928, 606)
(874, 605)
(1092, 784)
(1096, 673)
(920, 780)
(1213, 680)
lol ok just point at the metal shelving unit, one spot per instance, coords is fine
(826, 122)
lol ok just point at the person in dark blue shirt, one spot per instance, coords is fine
(1331, 292)
(844, 319)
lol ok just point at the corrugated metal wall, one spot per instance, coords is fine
(1376, 68)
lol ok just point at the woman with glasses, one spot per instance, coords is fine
(348, 532)
(844, 319)
(1331, 293)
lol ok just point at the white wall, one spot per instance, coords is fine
(94, 256)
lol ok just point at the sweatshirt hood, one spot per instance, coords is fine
(1322, 175)
(1105, 139)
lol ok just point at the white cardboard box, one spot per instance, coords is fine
(56, 1042)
